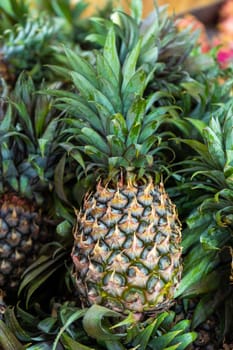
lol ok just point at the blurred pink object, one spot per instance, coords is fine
(224, 57)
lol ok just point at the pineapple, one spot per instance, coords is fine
(126, 250)
(27, 157)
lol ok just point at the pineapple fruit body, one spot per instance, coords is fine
(127, 248)
(21, 227)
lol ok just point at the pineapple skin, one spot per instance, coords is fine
(21, 234)
(127, 252)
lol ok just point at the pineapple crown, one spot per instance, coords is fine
(213, 158)
(111, 126)
(28, 45)
(72, 13)
(31, 35)
(162, 43)
(29, 134)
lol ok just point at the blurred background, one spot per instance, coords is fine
(177, 6)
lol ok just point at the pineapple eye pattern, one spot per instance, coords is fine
(134, 253)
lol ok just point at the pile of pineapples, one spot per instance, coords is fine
(116, 181)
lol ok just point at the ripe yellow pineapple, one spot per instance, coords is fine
(127, 248)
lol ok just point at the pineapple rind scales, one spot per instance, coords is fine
(20, 230)
(127, 248)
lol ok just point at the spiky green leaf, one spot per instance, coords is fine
(71, 344)
(110, 54)
(164, 340)
(82, 66)
(130, 64)
(94, 323)
(75, 316)
(8, 340)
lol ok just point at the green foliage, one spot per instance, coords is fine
(29, 135)
(13, 12)
(28, 46)
(74, 27)
(31, 35)
(50, 262)
(8, 341)
(94, 328)
(207, 239)
(211, 167)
